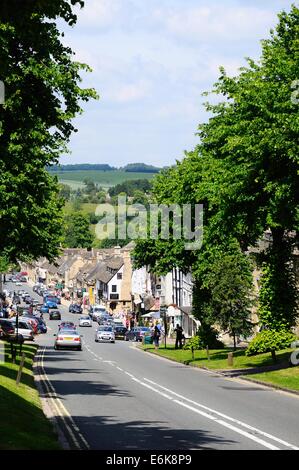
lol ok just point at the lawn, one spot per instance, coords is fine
(106, 179)
(85, 208)
(218, 358)
(23, 425)
(286, 378)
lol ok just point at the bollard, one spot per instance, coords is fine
(208, 353)
(20, 369)
(230, 359)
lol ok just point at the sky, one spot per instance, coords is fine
(151, 61)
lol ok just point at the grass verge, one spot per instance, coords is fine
(23, 425)
(285, 378)
(218, 358)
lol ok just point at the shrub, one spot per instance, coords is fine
(195, 342)
(270, 341)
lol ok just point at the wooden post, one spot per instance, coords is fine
(208, 353)
(20, 369)
(230, 359)
(192, 349)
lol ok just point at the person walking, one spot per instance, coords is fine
(179, 336)
(156, 337)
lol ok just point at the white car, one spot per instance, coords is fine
(85, 321)
(24, 329)
(105, 333)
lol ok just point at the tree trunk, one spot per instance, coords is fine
(235, 343)
(274, 356)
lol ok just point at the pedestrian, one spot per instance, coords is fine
(179, 336)
(156, 337)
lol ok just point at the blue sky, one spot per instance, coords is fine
(151, 61)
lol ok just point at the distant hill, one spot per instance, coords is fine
(130, 168)
(82, 167)
(140, 168)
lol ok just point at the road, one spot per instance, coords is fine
(120, 398)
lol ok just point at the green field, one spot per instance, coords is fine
(106, 179)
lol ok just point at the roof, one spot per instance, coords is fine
(66, 265)
(104, 271)
(85, 270)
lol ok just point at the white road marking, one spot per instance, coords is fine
(60, 408)
(209, 413)
(229, 418)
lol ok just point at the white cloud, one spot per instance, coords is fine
(129, 92)
(214, 22)
(99, 13)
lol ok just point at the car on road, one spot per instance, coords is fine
(67, 325)
(41, 327)
(44, 309)
(120, 332)
(85, 321)
(32, 320)
(55, 315)
(68, 339)
(75, 308)
(6, 328)
(24, 328)
(137, 333)
(105, 334)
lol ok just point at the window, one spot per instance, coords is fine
(119, 276)
(114, 288)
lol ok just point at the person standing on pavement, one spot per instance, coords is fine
(156, 337)
(179, 336)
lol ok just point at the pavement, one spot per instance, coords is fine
(116, 397)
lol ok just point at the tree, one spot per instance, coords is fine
(77, 232)
(270, 341)
(230, 284)
(42, 97)
(64, 191)
(245, 173)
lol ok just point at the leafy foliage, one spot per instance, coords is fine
(195, 342)
(270, 341)
(77, 232)
(42, 97)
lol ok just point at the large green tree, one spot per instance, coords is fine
(245, 173)
(77, 232)
(42, 96)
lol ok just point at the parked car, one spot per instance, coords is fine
(42, 327)
(120, 332)
(68, 339)
(75, 308)
(24, 328)
(85, 321)
(44, 309)
(105, 334)
(55, 315)
(6, 328)
(32, 320)
(28, 299)
(137, 333)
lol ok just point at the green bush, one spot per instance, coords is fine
(270, 341)
(195, 342)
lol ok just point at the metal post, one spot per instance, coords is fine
(20, 369)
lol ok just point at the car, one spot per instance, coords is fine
(85, 321)
(68, 339)
(6, 328)
(137, 333)
(44, 309)
(18, 283)
(75, 308)
(67, 324)
(55, 315)
(105, 320)
(41, 327)
(24, 328)
(28, 300)
(32, 320)
(120, 332)
(105, 334)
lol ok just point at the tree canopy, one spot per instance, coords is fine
(245, 173)
(42, 96)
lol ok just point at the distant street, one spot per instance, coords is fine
(121, 398)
